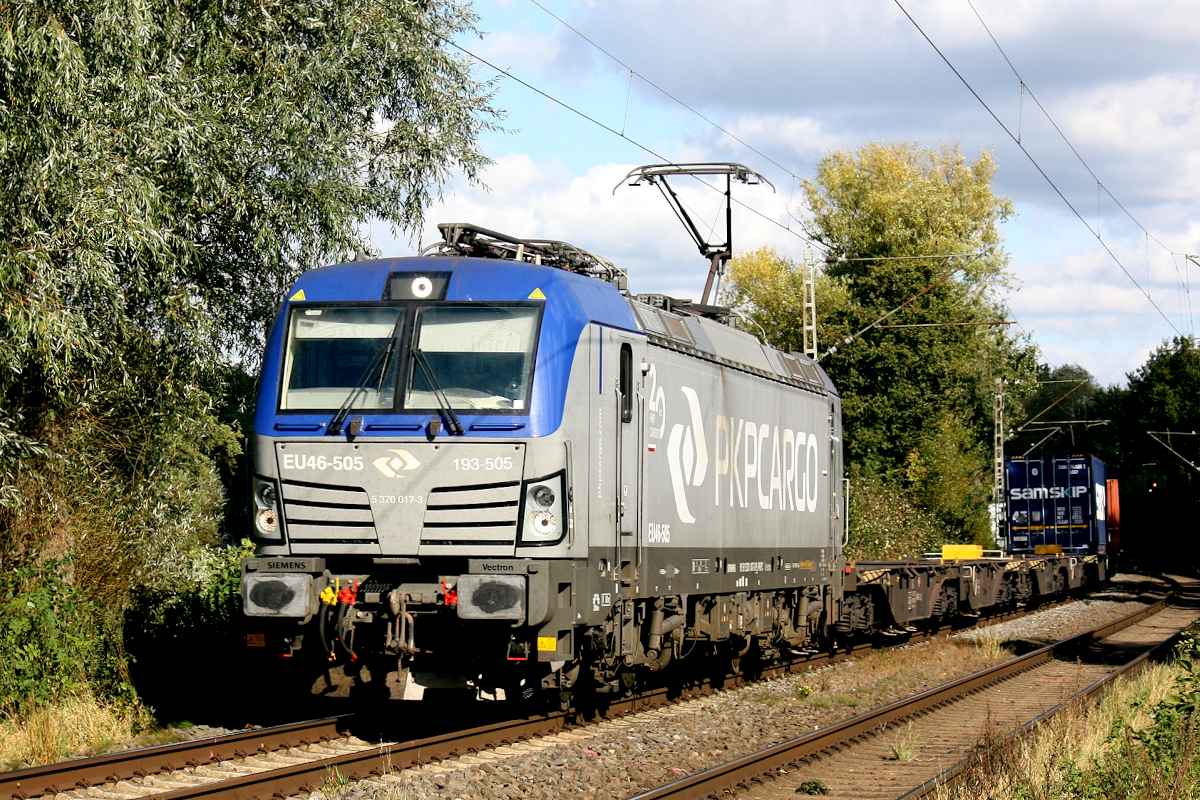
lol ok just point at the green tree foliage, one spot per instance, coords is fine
(914, 229)
(55, 640)
(1165, 391)
(166, 170)
(885, 523)
(1160, 489)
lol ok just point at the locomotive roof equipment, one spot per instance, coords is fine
(716, 252)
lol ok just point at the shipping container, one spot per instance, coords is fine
(1114, 515)
(1056, 504)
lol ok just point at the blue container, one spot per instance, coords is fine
(1055, 501)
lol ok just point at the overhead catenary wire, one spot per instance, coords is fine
(1026, 90)
(1016, 140)
(791, 173)
(795, 177)
(623, 135)
(1185, 300)
(620, 134)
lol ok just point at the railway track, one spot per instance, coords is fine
(299, 758)
(247, 761)
(909, 748)
(84, 774)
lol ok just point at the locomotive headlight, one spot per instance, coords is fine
(266, 494)
(266, 509)
(422, 287)
(544, 523)
(546, 510)
(267, 521)
(543, 496)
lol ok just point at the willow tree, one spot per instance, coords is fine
(915, 277)
(166, 169)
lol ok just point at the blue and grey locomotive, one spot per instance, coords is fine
(492, 462)
(491, 465)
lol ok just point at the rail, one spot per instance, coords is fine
(98, 770)
(368, 760)
(744, 772)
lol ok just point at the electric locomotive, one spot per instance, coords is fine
(491, 466)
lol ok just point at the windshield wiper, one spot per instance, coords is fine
(452, 421)
(382, 353)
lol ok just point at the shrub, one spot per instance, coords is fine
(51, 638)
(886, 524)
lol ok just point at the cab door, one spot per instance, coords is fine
(628, 462)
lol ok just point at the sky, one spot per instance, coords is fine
(1091, 111)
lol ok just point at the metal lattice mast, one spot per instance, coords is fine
(998, 456)
(810, 305)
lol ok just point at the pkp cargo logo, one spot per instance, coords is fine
(656, 405)
(392, 466)
(687, 455)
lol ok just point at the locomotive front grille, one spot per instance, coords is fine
(480, 520)
(320, 515)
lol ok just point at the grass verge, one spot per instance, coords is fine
(1140, 740)
(75, 726)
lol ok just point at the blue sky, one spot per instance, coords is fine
(796, 80)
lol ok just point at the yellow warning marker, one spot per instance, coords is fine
(536, 294)
(950, 551)
(547, 643)
(297, 296)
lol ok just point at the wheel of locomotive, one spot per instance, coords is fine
(739, 648)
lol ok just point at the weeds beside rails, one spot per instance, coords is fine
(1139, 741)
(75, 725)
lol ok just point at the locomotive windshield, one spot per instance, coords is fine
(480, 356)
(333, 351)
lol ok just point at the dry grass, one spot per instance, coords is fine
(1041, 766)
(878, 677)
(905, 747)
(905, 671)
(73, 727)
(992, 647)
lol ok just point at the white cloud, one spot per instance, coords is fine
(796, 80)
(1142, 116)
